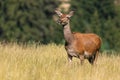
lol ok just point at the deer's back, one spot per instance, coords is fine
(86, 42)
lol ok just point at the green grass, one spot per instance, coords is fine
(49, 62)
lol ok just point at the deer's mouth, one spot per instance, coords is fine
(62, 23)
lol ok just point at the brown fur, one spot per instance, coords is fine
(86, 42)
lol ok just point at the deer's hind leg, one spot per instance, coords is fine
(93, 58)
(96, 56)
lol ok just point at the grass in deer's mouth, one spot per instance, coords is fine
(49, 62)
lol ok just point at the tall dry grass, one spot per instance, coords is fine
(49, 62)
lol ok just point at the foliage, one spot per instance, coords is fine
(23, 20)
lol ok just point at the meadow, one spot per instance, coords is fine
(49, 62)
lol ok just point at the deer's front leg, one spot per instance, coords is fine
(69, 58)
(81, 59)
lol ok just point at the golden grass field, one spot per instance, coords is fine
(49, 62)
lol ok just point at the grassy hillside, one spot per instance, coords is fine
(49, 62)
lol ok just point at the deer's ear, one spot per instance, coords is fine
(70, 14)
(58, 12)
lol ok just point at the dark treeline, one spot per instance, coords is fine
(27, 20)
(32, 20)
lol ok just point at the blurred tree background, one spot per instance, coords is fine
(27, 20)
(33, 20)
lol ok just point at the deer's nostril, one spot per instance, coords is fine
(58, 21)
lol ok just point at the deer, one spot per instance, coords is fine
(79, 45)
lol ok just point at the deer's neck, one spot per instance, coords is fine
(67, 33)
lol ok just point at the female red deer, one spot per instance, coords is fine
(82, 46)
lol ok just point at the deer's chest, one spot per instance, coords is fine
(72, 52)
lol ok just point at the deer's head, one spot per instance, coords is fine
(63, 18)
